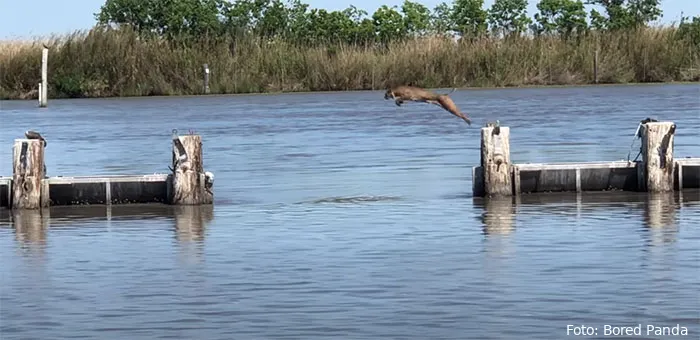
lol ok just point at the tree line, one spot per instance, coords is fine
(295, 22)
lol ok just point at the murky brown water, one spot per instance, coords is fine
(342, 215)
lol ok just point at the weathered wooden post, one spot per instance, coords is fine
(29, 190)
(190, 184)
(656, 170)
(206, 78)
(495, 161)
(44, 75)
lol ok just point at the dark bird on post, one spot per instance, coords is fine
(44, 44)
(496, 127)
(30, 134)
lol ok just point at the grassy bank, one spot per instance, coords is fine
(102, 63)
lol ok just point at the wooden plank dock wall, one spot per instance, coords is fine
(30, 189)
(687, 173)
(109, 189)
(657, 171)
(5, 192)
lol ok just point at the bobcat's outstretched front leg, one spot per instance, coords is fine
(398, 102)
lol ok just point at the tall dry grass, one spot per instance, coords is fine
(101, 62)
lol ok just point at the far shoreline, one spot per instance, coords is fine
(468, 88)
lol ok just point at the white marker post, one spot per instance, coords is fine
(206, 78)
(44, 75)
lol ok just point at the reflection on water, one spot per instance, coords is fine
(498, 222)
(31, 226)
(660, 218)
(30, 230)
(190, 230)
(659, 210)
(498, 217)
(191, 221)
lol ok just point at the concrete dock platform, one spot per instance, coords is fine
(30, 189)
(657, 171)
(88, 190)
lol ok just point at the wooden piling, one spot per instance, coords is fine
(206, 78)
(495, 161)
(44, 77)
(29, 190)
(189, 182)
(656, 170)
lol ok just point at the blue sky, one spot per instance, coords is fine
(31, 18)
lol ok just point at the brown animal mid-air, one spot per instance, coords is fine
(416, 94)
(30, 134)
